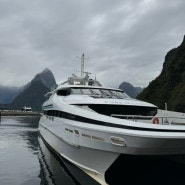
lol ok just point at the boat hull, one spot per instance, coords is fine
(91, 160)
(56, 169)
(95, 149)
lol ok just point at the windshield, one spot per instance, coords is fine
(101, 93)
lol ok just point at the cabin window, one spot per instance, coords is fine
(115, 94)
(64, 92)
(123, 109)
(106, 92)
(96, 92)
(57, 113)
(101, 93)
(76, 91)
(86, 91)
(122, 95)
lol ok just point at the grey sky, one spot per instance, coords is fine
(123, 40)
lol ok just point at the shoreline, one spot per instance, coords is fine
(19, 113)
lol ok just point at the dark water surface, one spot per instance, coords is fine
(25, 160)
(19, 151)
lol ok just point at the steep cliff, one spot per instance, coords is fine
(169, 86)
(33, 93)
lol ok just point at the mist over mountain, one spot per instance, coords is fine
(7, 94)
(31, 94)
(169, 86)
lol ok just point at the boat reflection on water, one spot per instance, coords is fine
(57, 171)
(147, 170)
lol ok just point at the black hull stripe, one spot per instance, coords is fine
(74, 117)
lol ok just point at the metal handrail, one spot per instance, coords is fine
(164, 119)
(138, 116)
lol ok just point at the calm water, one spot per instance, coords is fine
(25, 160)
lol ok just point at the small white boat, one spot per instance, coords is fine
(93, 126)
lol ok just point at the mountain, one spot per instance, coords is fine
(7, 94)
(169, 86)
(32, 94)
(46, 78)
(130, 89)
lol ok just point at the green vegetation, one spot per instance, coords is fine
(169, 86)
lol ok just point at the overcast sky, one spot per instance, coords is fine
(124, 40)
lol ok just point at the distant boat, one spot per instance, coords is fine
(26, 109)
(93, 126)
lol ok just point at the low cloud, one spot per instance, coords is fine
(123, 40)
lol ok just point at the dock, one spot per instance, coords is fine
(18, 113)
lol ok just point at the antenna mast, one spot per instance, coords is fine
(82, 65)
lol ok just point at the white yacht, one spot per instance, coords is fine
(93, 126)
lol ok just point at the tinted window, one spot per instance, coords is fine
(76, 91)
(106, 92)
(63, 92)
(86, 91)
(123, 109)
(96, 91)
